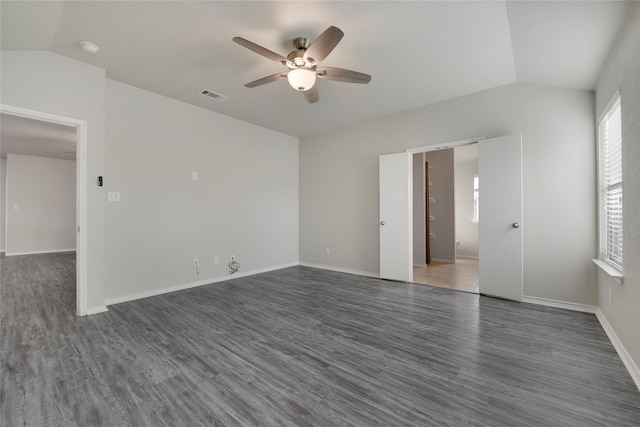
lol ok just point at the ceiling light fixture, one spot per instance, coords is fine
(301, 79)
(89, 47)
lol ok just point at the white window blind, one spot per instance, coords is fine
(610, 138)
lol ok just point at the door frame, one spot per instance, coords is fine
(436, 147)
(81, 191)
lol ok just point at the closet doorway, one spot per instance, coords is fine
(446, 200)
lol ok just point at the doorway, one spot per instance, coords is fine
(79, 127)
(500, 207)
(446, 198)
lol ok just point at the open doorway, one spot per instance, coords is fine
(45, 150)
(446, 215)
(500, 237)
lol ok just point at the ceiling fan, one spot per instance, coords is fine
(303, 64)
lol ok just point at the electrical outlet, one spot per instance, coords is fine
(216, 259)
(610, 296)
(327, 251)
(196, 262)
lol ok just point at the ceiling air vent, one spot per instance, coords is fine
(213, 95)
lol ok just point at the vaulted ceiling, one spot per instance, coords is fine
(418, 53)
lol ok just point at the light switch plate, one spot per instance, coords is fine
(194, 175)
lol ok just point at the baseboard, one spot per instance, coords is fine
(420, 265)
(467, 256)
(341, 270)
(189, 285)
(622, 351)
(97, 309)
(39, 252)
(447, 261)
(560, 304)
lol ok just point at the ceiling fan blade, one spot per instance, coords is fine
(312, 94)
(260, 50)
(341, 75)
(268, 79)
(323, 45)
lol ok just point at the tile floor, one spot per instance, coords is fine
(462, 276)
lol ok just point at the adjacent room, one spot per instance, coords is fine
(440, 229)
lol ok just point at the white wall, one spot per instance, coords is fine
(245, 201)
(466, 230)
(44, 190)
(419, 193)
(50, 83)
(623, 70)
(3, 183)
(441, 176)
(339, 181)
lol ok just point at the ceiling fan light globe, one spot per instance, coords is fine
(301, 79)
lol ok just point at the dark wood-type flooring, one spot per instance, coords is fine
(300, 347)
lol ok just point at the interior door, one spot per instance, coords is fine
(396, 217)
(500, 225)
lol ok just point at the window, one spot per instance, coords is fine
(610, 179)
(476, 200)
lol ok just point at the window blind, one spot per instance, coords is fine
(611, 184)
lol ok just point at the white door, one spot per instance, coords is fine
(500, 227)
(396, 217)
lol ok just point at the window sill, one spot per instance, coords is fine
(613, 272)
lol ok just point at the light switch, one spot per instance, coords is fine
(16, 207)
(194, 175)
(113, 196)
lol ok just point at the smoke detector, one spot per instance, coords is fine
(89, 47)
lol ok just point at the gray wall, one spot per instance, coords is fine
(339, 181)
(441, 176)
(50, 83)
(466, 229)
(45, 192)
(245, 201)
(623, 70)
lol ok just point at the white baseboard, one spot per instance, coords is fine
(622, 351)
(189, 285)
(560, 304)
(420, 265)
(628, 362)
(39, 252)
(341, 270)
(467, 256)
(97, 309)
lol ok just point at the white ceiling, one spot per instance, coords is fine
(418, 52)
(19, 135)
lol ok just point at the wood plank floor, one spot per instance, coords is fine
(300, 347)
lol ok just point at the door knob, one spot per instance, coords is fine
(381, 222)
(515, 225)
